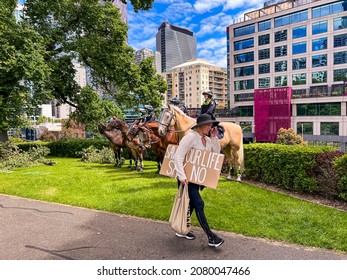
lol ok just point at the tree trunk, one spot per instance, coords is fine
(3, 136)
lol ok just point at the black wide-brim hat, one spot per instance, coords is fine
(204, 119)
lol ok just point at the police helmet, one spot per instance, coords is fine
(175, 101)
(207, 92)
(149, 108)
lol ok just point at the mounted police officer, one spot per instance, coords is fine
(175, 101)
(149, 114)
(209, 107)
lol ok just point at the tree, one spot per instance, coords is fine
(22, 69)
(51, 38)
(94, 35)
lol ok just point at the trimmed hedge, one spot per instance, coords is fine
(73, 147)
(287, 166)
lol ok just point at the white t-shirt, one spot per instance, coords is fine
(189, 141)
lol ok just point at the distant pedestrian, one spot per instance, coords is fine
(198, 139)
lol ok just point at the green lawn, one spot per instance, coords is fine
(235, 207)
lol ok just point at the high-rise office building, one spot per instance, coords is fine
(287, 65)
(175, 44)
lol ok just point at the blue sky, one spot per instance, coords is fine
(208, 20)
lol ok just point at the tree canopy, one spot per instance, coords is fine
(40, 54)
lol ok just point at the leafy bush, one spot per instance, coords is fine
(341, 165)
(289, 137)
(12, 157)
(91, 154)
(326, 174)
(287, 166)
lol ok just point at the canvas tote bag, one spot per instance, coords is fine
(180, 213)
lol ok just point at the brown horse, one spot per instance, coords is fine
(132, 141)
(117, 143)
(231, 143)
(149, 136)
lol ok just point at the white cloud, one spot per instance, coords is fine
(214, 24)
(202, 6)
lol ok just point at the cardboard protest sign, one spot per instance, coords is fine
(201, 167)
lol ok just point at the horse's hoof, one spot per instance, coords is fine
(238, 178)
(230, 178)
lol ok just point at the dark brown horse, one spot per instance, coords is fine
(132, 141)
(149, 136)
(117, 143)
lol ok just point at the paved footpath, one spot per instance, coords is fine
(35, 230)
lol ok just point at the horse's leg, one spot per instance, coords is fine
(237, 163)
(140, 157)
(228, 153)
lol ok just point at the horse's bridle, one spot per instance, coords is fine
(172, 116)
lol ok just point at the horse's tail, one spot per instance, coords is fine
(242, 159)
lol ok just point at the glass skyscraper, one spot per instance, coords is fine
(176, 45)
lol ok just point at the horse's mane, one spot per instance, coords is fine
(180, 112)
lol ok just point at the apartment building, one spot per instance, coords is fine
(287, 67)
(187, 81)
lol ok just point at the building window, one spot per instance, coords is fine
(319, 109)
(299, 79)
(329, 9)
(298, 93)
(299, 47)
(245, 111)
(318, 91)
(264, 25)
(340, 40)
(264, 68)
(243, 85)
(338, 90)
(280, 66)
(244, 44)
(340, 23)
(319, 60)
(299, 63)
(304, 128)
(244, 71)
(319, 77)
(299, 32)
(281, 36)
(244, 30)
(319, 44)
(329, 128)
(291, 18)
(280, 81)
(340, 75)
(264, 39)
(280, 51)
(246, 126)
(244, 57)
(244, 97)
(340, 57)
(264, 83)
(264, 54)
(319, 27)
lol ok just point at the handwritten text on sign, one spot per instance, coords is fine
(201, 167)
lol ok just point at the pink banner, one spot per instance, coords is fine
(271, 112)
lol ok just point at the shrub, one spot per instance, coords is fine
(326, 174)
(47, 136)
(286, 166)
(341, 166)
(13, 157)
(289, 137)
(91, 154)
